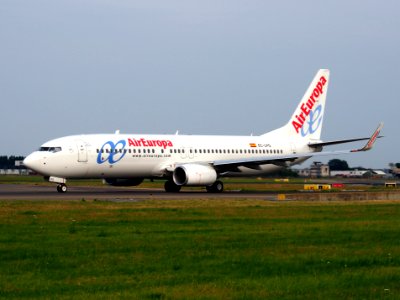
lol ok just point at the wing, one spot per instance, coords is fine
(336, 142)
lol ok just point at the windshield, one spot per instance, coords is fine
(50, 149)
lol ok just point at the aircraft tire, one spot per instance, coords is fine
(171, 187)
(62, 188)
(216, 187)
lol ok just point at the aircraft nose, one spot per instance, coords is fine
(32, 162)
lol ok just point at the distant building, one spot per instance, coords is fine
(395, 170)
(14, 172)
(317, 169)
(359, 173)
(351, 173)
(19, 169)
(380, 173)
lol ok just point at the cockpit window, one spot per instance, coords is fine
(50, 149)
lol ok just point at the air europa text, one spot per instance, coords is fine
(308, 105)
(149, 143)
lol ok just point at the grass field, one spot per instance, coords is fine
(205, 249)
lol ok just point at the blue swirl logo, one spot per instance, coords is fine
(314, 121)
(111, 152)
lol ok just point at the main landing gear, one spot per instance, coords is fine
(216, 187)
(171, 187)
(62, 188)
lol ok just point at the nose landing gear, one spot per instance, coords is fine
(62, 188)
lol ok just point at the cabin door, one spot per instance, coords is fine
(82, 151)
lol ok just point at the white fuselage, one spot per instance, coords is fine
(149, 156)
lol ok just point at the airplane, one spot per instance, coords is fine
(192, 160)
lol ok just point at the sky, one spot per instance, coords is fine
(200, 67)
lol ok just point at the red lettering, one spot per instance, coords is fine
(307, 106)
(305, 110)
(316, 93)
(142, 142)
(319, 87)
(296, 126)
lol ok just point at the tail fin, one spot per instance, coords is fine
(306, 121)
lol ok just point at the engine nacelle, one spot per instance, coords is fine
(123, 181)
(194, 174)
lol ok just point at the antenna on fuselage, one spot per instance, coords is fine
(117, 131)
(177, 132)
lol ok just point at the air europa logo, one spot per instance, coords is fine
(307, 109)
(111, 152)
(149, 143)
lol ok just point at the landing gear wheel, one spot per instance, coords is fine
(171, 187)
(62, 188)
(216, 187)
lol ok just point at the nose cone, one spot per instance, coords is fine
(33, 162)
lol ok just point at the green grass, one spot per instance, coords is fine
(206, 249)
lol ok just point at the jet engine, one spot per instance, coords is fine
(194, 174)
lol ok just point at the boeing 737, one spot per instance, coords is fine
(189, 160)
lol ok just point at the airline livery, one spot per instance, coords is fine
(185, 160)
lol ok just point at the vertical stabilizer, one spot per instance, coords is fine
(306, 121)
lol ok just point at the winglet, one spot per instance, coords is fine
(372, 139)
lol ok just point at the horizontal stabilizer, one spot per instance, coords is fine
(337, 142)
(371, 141)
